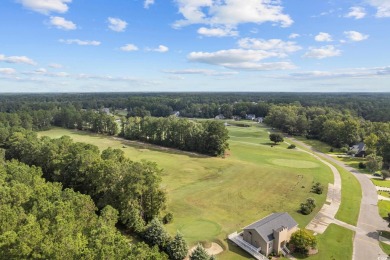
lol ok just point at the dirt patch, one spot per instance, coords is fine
(214, 249)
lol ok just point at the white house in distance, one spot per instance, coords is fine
(266, 236)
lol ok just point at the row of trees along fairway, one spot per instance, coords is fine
(206, 137)
(41, 220)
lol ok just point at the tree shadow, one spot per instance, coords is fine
(237, 250)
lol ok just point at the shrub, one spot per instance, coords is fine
(302, 240)
(168, 218)
(291, 146)
(307, 207)
(344, 150)
(362, 165)
(317, 188)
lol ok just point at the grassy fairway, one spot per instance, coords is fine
(333, 237)
(212, 197)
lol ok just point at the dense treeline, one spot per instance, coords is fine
(370, 106)
(133, 188)
(40, 220)
(337, 128)
(206, 137)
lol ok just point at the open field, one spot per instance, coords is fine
(212, 197)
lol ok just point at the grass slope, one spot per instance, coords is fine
(381, 183)
(212, 197)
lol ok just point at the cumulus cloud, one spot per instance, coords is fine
(160, 48)
(217, 32)
(129, 47)
(7, 71)
(200, 72)
(240, 59)
(230, 13)
(382, 6)
(80, 42)
(356, 12)
(46, 6)
(355, 36)
(322, 52)
(62, 23)
(116, 24)
(294, 36)
(17, 59)
(276, 45)
(148, 3)
(323, 37)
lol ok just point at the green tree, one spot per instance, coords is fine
(199, 253)
(302, 240)
(374, 162)
(276, 138)
(371, 142)
(177, 248)
(155, 234)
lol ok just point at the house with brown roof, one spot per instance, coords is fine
(267, 235)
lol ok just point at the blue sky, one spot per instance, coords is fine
(194, 45)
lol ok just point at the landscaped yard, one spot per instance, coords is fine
(212, 197)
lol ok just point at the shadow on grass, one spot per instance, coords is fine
(270, 144)
(237, 250)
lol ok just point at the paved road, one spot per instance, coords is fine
(366, 245)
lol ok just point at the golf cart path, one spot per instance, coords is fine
(366, 244)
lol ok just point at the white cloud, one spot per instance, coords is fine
(55, 66)
(322, 52)
(129, 47)
(240, 59)
(276, 45)
(116, 24)
(356, 12)
(61, 23)
(160, 48)
(383, 7)
(294, 36)
(148, 3)
(80, 42)
(217, 32)
(343, 73)
(355, 36)
(201, 72)
(230, 13)
(7, 71)
(323, 37)
(46, 6)
(17, 59)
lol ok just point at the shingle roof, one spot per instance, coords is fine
(266, 226)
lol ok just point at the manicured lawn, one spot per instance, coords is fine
(384, 194)
(351, 196)
(318, 145)
(335, 237)
(384, 208)
(212, 197)
(385, 247)
(351, 192)
(381, 183)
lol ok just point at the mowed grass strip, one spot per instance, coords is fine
(384, 208)
(213, 197)
(351, 196)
